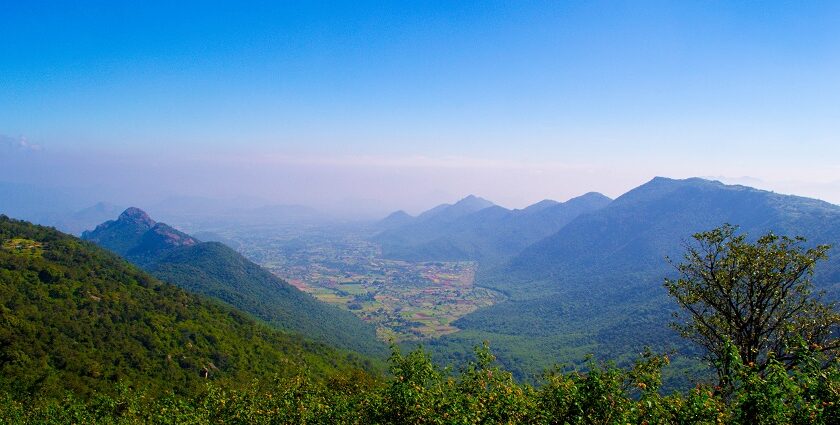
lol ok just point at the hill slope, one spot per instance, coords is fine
(638, 230)
(488, 235)
(76, 317)
(596, 284)
(215, 270)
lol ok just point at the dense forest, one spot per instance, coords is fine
(418, 392)
(79, 319)
(581, 289)
(89, 338)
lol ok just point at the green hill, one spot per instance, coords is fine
(638, 230)
(595, 286)
(87, 338)
(215, 270)
(74, 317)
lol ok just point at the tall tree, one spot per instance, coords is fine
(755, 299)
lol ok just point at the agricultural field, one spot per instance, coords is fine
(406, 301)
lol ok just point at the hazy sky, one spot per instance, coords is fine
(410, 103)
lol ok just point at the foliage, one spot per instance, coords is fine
(581, 289)
(753, 298)
(77, 318)
(215, 270)
(419, 392)
(86, 338)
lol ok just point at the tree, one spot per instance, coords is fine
(752, 300)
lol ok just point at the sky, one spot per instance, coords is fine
(406, 104)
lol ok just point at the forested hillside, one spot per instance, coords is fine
(87, 338)
(78, 318)
(215, 270)
(595, 286)
(639, 229)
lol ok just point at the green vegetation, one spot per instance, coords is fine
(24, 247)
(753, 303)
(76, 318)
(596, 285)
(418, 392)
(406, 301)
(215, 270)
(87, 338)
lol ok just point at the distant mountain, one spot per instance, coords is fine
(639, 229)
(76, 318)
(215, 270)
(123, 234)
(281, 214)
(87, 218)
(190, 206)
(396, 219)
(157, 243)
(595, 285)
(447, 212)
(545, 203)
(489, 234)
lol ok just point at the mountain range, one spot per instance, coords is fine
(215, 270)
(636, 232)
(581, 276)
(476, 229)
(595, 284)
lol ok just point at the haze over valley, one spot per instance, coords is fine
(420, 213)
(546, 284)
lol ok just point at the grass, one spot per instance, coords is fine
(24, 247)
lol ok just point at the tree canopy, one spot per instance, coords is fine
(752, 299)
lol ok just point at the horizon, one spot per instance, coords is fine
(221, 206)
(367, 108)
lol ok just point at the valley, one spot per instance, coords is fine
(405, 300)
(593, 287)
(420, 213)
(588, 296)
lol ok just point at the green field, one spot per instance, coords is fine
(406, 301)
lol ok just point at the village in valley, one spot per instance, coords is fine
(404, 300)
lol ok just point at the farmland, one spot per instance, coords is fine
(406, 301)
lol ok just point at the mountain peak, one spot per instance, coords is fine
(474, 201)
(593, 197)
(136, 215)
(395, 219)
(658, 180)
(398, 214)
(541, 205)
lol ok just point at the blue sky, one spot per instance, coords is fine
(630, 89)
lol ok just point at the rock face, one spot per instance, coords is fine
(158, 241)
(136, 236)
(122, 234)
(136, 215)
